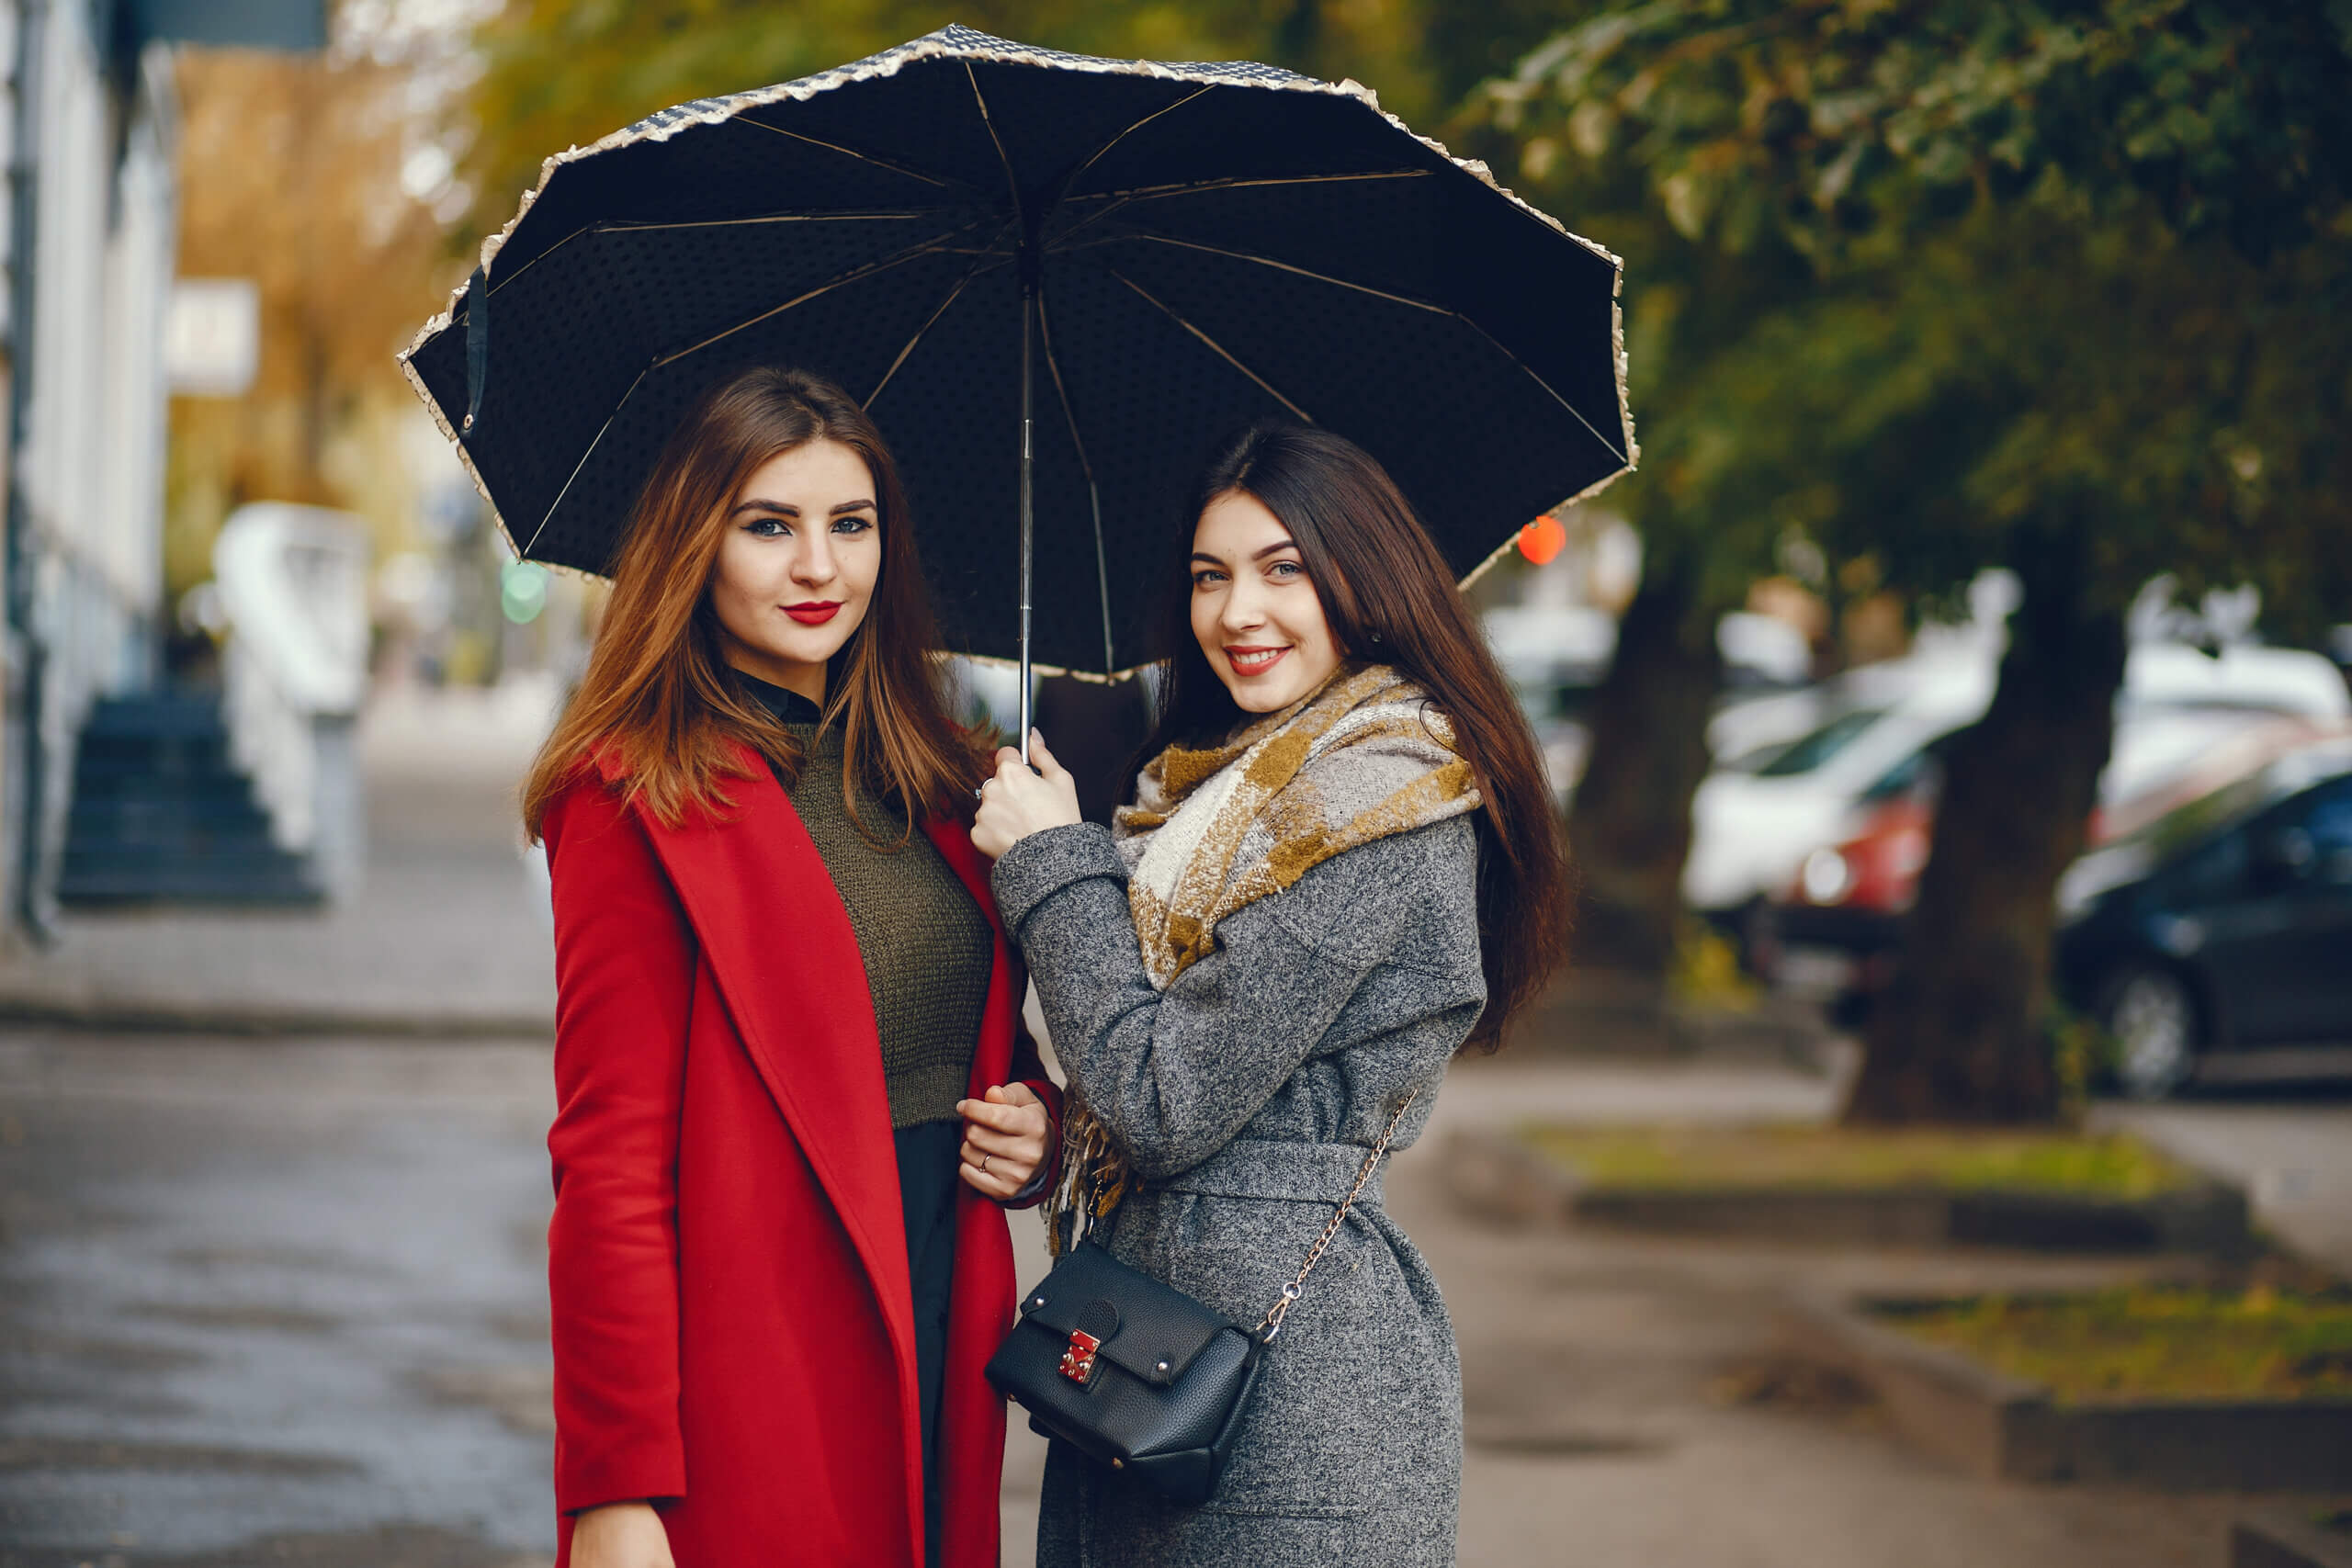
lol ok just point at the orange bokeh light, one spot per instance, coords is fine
(1543, 540)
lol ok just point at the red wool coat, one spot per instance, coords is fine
(727, 1266)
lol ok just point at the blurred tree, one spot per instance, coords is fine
(2074, 300)
(559, 73)
(292, 175)
(1692, 296)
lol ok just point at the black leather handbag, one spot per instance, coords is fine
(1136, 1374)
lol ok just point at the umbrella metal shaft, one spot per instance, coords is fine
(1028, 411)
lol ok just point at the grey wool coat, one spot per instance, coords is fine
(1246, 1096)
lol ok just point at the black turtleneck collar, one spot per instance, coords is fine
(789, 707)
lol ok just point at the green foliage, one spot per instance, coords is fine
(1819, 118)
(1707, 972)
(2083, 1052)
(561, 73)
(2155, 1341)
(1804, 1156)
(1928, 279)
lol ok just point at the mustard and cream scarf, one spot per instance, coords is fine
(1218, 829)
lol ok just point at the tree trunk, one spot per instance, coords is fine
(1958, 1035)
(1629, 825)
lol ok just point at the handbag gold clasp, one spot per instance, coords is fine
(1078, 1361)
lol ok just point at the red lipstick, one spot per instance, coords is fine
(816, 613)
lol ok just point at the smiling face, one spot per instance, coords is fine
(797, 568)
(1255, 612)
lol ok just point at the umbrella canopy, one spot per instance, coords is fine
(1149, 254)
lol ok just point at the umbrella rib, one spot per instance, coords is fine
(880, 162)
(1215, 348)
(536, 260)
(1608, 445)
(953, 294)
(602, 227)
(548, 515)
(1093, 491)
(875, 215)
(855, 275)
(1292, 267)
(1524, 369)
(851, 276)
(1241, 181)
(1118, 199)
(1100, 153)
(1010, 183)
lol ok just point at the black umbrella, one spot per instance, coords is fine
(960, 230)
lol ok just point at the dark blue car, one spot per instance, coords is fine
(2216, 943)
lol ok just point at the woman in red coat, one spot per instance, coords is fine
(794, 1098)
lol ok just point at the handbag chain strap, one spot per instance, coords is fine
(1272, 1324)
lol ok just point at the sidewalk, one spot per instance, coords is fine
(1620, 1391)
(441, 941)
(2292, 1155)
(1624, 1403)
(284, 1300)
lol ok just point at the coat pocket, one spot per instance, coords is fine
(1318, 1438)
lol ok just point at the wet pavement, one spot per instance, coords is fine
(282, 1303)
(1626, 1405)
(2291, 1150)
(445, 938)
(272, 1303)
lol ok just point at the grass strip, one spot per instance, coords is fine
(2153, 1341)
(1800, 1157)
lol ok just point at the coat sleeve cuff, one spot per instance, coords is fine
(1042, 864)
(650, 1471)
(1029, 1197)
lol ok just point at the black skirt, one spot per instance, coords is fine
(928, 1156)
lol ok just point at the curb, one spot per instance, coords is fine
(155, 1018)
(2288, 1538)
(2003, 1428)
(1601, 1014)
(1497, 1176)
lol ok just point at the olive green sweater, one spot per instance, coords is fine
(926, 945)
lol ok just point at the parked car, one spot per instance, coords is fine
(1555, 656)
(1830, 927)
(2214, 941)
(1757, 817)
(1760, 817)
(2287, 680)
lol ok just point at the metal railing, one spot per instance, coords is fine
(293, 585)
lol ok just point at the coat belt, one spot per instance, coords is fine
(1279, 1169)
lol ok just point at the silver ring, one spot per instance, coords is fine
(984, 1163)
(977, 792)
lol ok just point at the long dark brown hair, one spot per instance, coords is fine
(1390, 599)
(658, 693)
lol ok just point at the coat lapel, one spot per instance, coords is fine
(787, 962)
(795, 989)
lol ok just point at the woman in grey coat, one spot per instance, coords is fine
(1341, 865)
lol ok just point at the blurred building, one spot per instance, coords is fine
(88, 233)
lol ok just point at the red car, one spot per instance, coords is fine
(1834, 928)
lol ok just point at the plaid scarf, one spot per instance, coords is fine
(1214, 829)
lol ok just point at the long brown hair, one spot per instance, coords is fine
(1390, 599)
(658, 695)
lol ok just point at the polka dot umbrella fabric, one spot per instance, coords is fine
(1212, 244)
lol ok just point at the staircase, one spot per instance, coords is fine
(161, 814)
